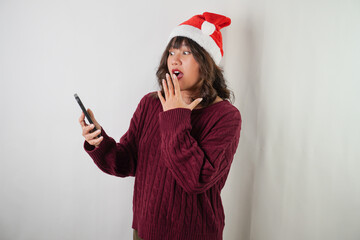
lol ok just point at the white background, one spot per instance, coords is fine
(294, 68)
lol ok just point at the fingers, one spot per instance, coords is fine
(176, 85)
(162, 100)
(91, 114)
(96, 142)
(91, 137)
(87, 129)
(97, 125)
(166, 91)
(81, 120)
(195, 103)
(170, 84)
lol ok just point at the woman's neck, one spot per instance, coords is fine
(189, 99)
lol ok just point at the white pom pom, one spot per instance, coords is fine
(208, 28)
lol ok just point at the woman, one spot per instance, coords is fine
(181, 140)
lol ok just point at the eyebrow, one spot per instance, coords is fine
(182, 45)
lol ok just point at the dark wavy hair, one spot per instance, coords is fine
(211, 79)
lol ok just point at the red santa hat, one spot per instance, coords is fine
(205, 30)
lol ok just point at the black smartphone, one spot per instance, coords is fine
(85, 112)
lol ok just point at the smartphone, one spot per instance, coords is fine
(85, 112)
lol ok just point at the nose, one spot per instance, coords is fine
(175, 59)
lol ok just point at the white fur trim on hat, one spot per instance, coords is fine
(200, 37)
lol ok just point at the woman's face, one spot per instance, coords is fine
(182, 63)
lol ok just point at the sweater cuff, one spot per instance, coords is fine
(177, 118)
(98, 152)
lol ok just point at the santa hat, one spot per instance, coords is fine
(205, 30)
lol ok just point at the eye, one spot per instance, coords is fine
(187, 52)
(171, 53)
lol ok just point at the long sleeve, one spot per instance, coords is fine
(197, 166)
(181, 160)
(119, 159)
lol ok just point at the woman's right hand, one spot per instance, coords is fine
(90, 137)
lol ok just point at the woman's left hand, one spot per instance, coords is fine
(173, 96)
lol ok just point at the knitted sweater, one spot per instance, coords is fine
(180, 159)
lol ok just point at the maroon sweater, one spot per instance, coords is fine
(180, 159)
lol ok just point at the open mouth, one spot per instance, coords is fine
(177, 73)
